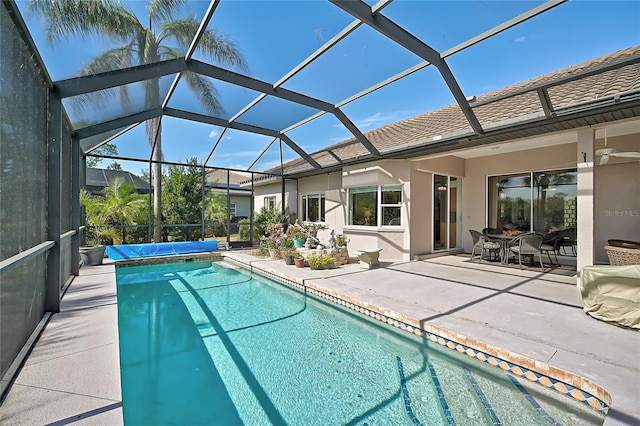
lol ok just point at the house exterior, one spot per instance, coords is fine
(227, 182)
(538, 167)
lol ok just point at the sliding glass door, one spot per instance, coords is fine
(447, 198)
(542, 201)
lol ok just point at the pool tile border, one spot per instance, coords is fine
(568, 384)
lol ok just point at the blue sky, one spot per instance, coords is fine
(275, 36)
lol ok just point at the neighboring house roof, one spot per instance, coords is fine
(556, 101)
(219, 178)
(98, 179)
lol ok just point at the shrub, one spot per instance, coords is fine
(268, 218)
(243, 229)
(267, 243)
(321, 262)
(296, 231)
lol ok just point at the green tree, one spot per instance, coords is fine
(182, 201)
(114, 166)
(143, 41)
(106, 149)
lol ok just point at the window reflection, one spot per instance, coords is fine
(554, 200)
(510, 202)
(363, 206)
(367, 203)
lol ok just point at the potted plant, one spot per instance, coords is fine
(269, 245)
(297, 233)
(299, 238)
(286, 243)
(299, 261)
(341, 240)
(93, 253)
(97, 234)
(289, 255)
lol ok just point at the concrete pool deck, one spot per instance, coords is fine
(72, 373)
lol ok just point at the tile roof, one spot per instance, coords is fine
(98, 179)
(220, 176)
(565, 88)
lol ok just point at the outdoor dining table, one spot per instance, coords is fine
(504, 241)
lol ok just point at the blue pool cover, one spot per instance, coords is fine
(134, 251)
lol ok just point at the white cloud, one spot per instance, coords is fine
(379, 119)
(520, 39)
(213, 134)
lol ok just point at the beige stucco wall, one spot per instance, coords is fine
(261, 191)
(329, 184)
(617, 196)
(394, 241)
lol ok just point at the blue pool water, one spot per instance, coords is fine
(202, 343)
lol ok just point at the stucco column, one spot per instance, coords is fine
(585, 204)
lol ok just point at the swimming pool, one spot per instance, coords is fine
(205, 343)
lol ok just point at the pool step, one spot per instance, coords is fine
(419, 396)
(465, 406)
(508, 401)
(480, 393)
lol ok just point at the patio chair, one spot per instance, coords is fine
(568, 240)
(484, 245)
(551, 244)
(621, 256)
(528, 245)
(489, 231)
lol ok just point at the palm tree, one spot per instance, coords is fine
(142, 44)
(120, 205)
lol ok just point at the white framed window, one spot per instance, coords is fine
(232, 209)
(390, 205)
(269, 203)
(375, 205)
(313, 206)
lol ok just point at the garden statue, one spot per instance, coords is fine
(332, 240)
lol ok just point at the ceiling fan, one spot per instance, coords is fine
(605, 152)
